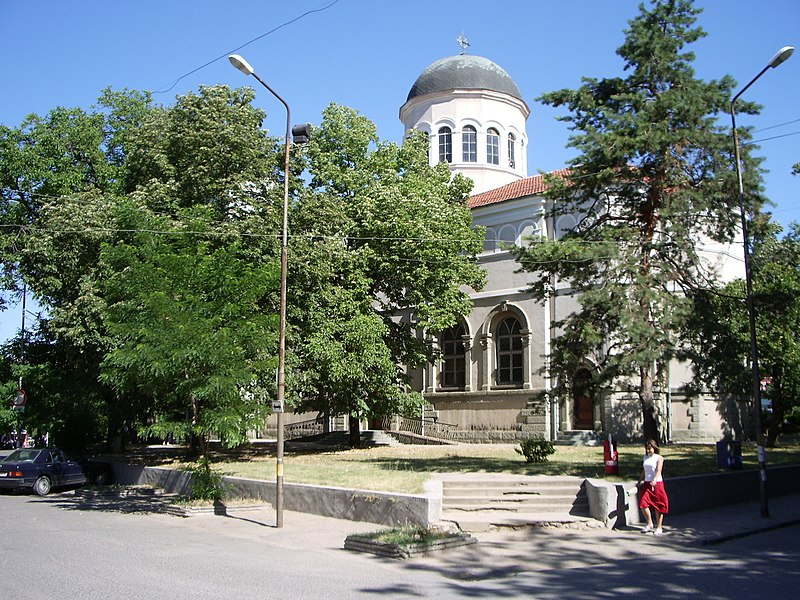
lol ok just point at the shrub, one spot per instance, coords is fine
(407, 535)
(206, 483)
(536, 450)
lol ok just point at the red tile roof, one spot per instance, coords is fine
(517, 189)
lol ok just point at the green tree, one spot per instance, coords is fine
(193, 289)
(381, 245)
(191, 333)
(719, 332)
(78, 182)
(58, 174)
(62, 401)
(651, 182)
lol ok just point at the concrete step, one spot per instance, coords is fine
(578, 437)
(567, 505)
(512, 495)
(489, 520)
(513, 500)
(369, 438)
(377, 437)
(491, 488)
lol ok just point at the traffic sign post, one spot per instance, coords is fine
(19, 400)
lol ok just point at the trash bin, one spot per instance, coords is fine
(729, 454)
(610, 456)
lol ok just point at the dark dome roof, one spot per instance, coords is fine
(464, 71)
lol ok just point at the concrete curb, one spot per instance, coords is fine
(362, 543)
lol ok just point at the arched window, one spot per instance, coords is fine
(445, 145)
(512, 153)
(469, 144)
(428, 143)
(509, 353)
(493, 146)
(507, 237)
(490, 240)
(454, 370)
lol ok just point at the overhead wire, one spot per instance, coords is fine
(255, 39)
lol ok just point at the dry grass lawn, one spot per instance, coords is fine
(405, 468)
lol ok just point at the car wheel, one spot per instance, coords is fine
(42, 485)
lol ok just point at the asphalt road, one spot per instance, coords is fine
(60, 547)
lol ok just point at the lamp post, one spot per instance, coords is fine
(241, 64)
(781, 56)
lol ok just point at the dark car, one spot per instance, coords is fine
(40, 470)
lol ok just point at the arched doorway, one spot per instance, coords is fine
(582, 401)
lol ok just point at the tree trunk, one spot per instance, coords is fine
(648, 403)
(194, 441)
(355, 431)
(772, 425)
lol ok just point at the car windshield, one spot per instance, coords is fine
(22, 456)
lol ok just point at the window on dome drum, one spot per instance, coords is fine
(445, 145)
(454, 370)
(493, 146)
(469, 144)
(512, 141)
(509, 353)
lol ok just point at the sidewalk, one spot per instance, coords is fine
(712, 526)
(506, 551)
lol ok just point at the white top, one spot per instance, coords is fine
(650, 465)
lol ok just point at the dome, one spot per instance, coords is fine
(462, 72)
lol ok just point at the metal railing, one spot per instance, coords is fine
(304, 428)
(423, 427)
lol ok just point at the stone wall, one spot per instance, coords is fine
(383, 508)
(498, 416)
(609, 502)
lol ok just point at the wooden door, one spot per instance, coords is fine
(583, 407)
(582, 400)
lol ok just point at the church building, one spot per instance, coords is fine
(492, 383)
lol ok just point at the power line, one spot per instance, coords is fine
(271, 31)
(774, 137)
(338, 238)
(776, 126)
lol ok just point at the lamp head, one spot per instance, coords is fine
(244, 66)
(781, 57)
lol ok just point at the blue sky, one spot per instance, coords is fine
(367, 53)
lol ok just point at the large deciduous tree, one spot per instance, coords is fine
(382, 244)
(192, 329)
(719, 332)
(187, 193)
(57, 176)
(652, 181)
(192, 276)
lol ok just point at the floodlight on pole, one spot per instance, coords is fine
(242, 65)
(780, 57)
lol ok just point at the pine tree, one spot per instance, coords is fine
(652, 181)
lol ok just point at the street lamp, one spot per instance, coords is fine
(241, 64)
(781, 56)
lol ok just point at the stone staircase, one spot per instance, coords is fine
(481, 502)
(578, 437)
(369, 438)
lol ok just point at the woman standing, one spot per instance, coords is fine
(652, 496)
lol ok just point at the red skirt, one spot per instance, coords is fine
(654, 496)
